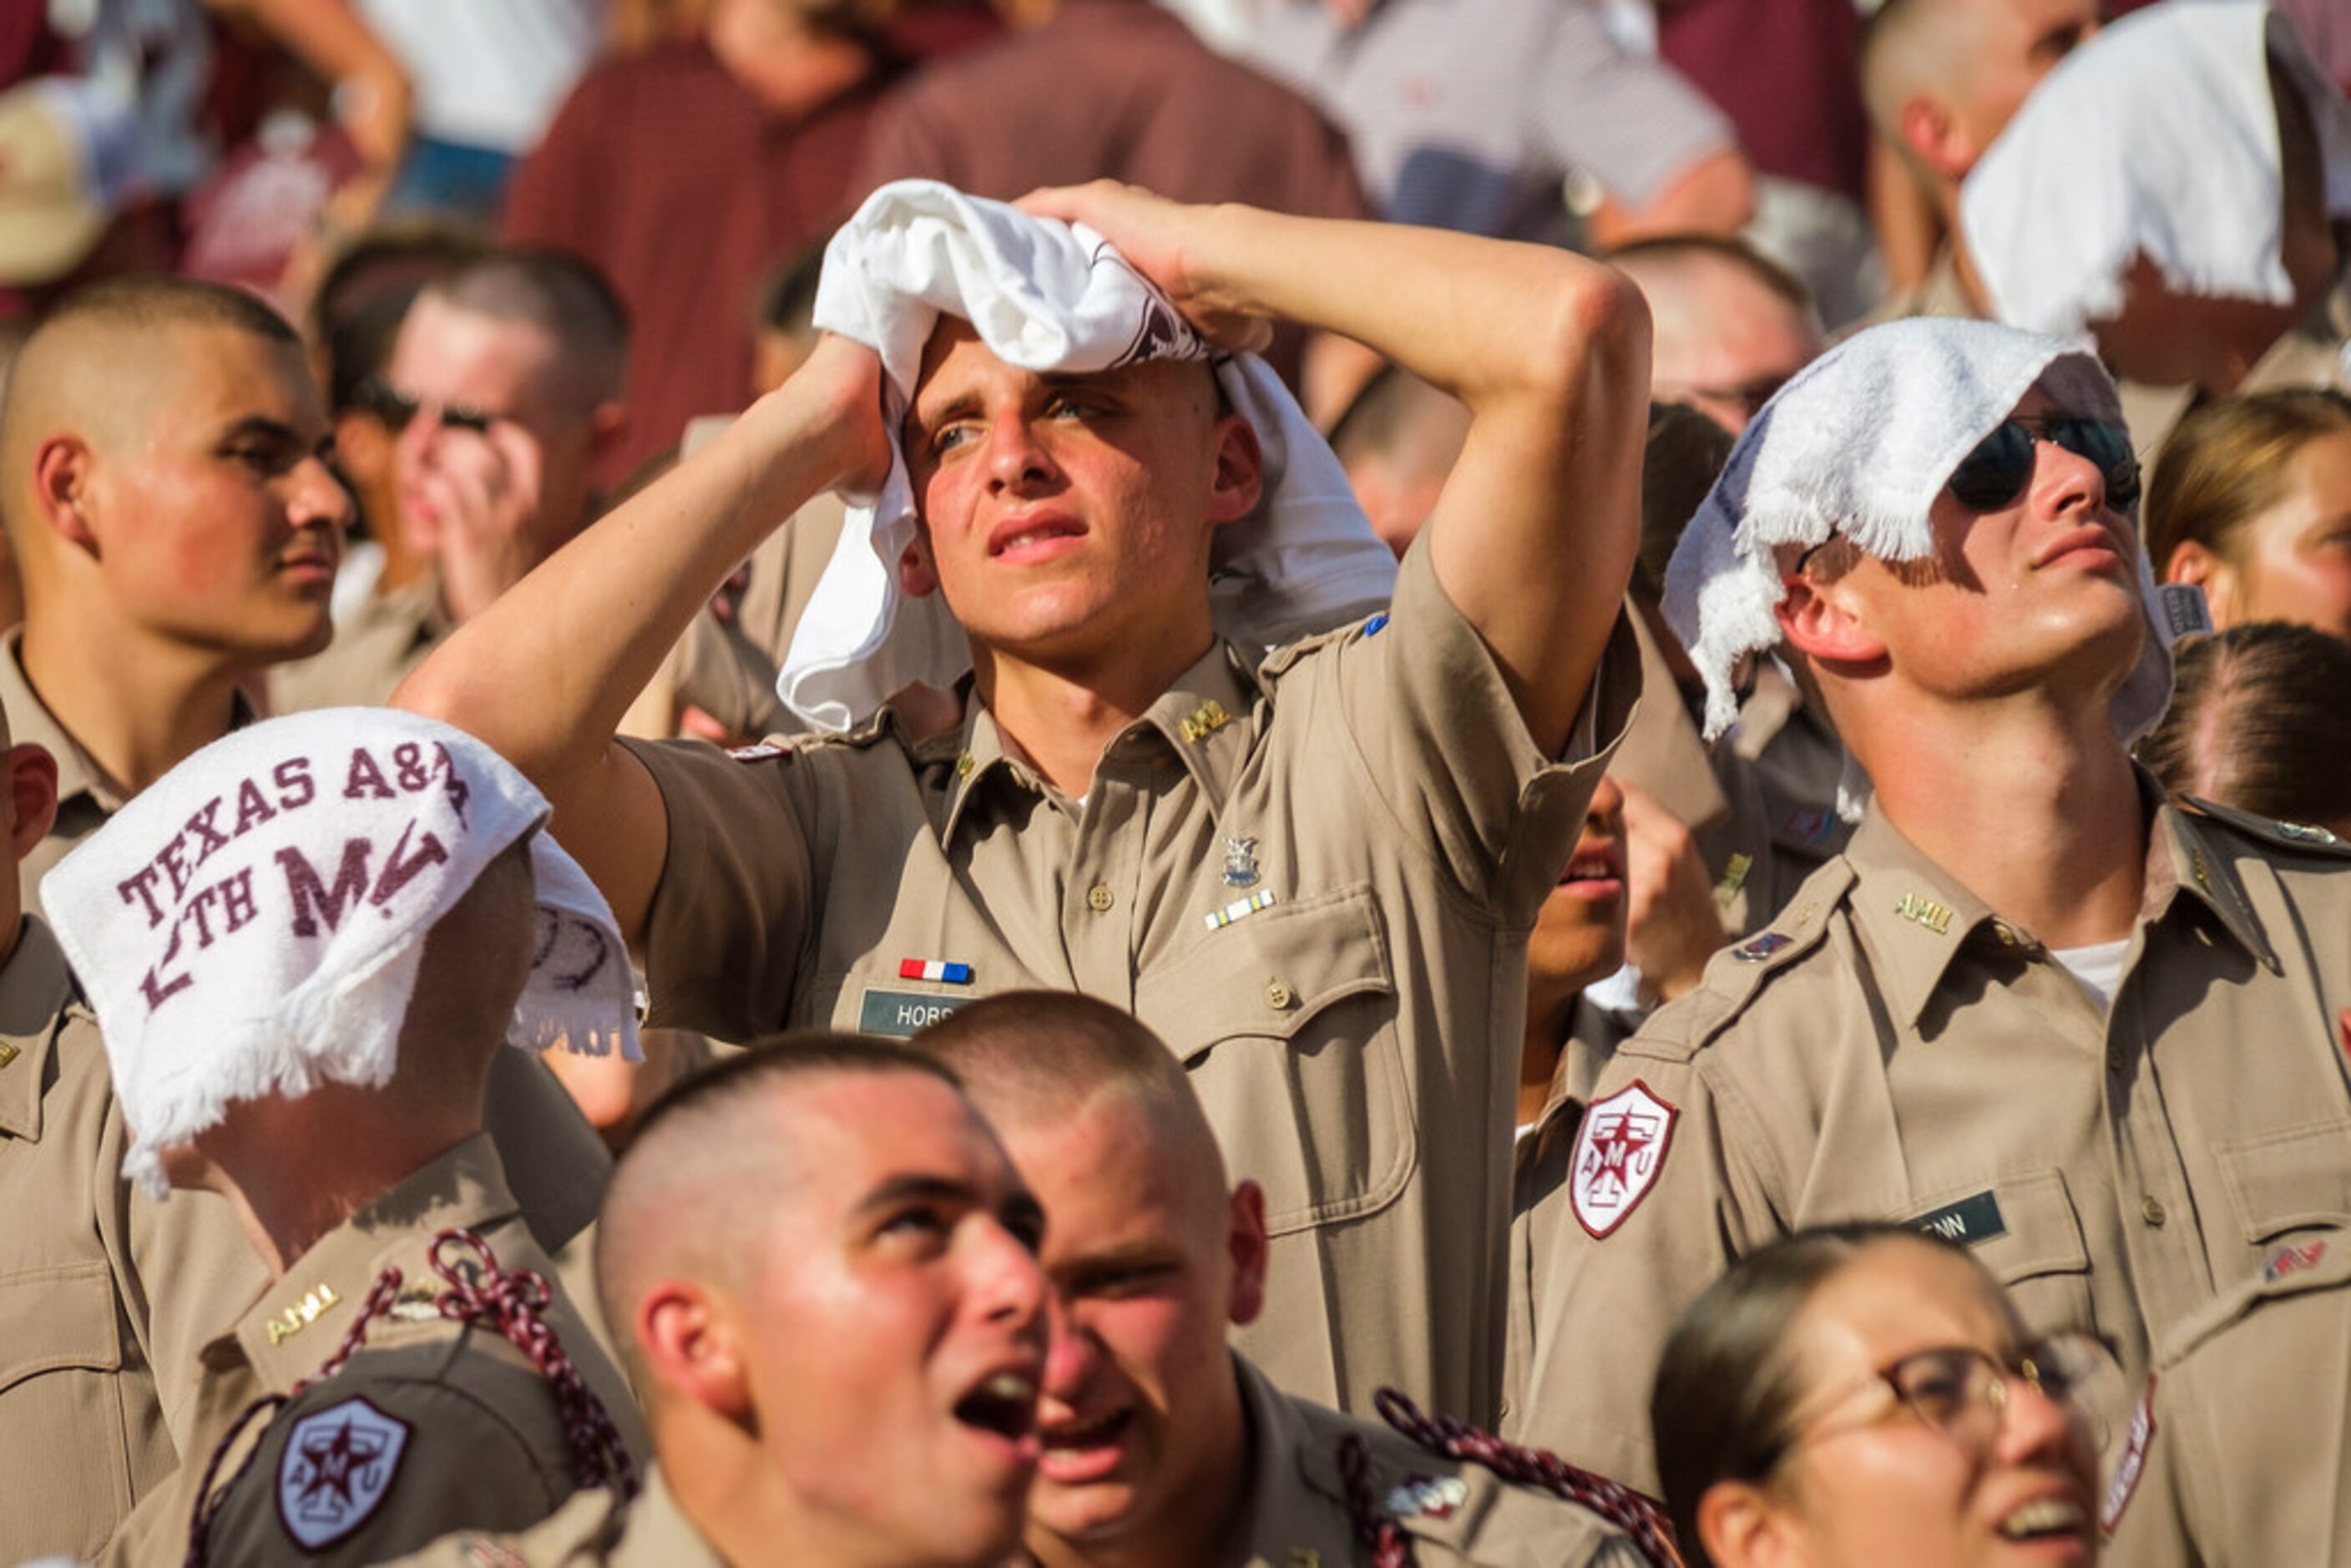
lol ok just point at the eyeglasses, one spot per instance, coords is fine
(1963, 1392)
(394, 408)
(1996, 473)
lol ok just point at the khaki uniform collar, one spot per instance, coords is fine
(34, 987)
(312, 1307)
(418, 605)
(657, 1534)
(29, 718)
(1283, 1507)
(1205, 717)
(1917, 916)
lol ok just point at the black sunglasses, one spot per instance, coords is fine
(1996, 473)
(394, 408)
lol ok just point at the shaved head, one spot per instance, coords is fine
(1942, 78)
(1038, 1061)
(711, 1162)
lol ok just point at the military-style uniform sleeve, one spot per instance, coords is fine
(368, 1465)
(732, 917)
(1663, 1191)
(1441, 740)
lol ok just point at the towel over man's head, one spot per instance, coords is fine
(1043, 295)
(253, 922)
(1859, 444)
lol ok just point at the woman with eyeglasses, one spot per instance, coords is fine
(1866, 1395)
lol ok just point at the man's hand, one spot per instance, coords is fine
(1157, 236)
(1672, 926)
(473, 500)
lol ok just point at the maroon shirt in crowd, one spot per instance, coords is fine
(1788, 73)
(670, 175)
(1119, 89)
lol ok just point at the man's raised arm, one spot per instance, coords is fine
(545, 674)
(1534, 536)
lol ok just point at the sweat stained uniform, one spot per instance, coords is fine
(431, 1425)
(2239, 1455)
(1893, 1049)
(1313, 876)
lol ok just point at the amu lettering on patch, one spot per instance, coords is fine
(1934, 916)
(899, 1014)
(1967, 1222)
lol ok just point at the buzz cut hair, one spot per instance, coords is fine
(1673, 250)
(562, 294)
(1052, 1052)
(150, 302)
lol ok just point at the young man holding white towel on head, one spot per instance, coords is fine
(304, 945)
(1314, 872)
(2034, 1006)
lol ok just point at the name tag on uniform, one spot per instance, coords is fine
(1967, 1222)
(901, 1013)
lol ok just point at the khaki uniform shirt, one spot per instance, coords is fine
(1539, 1190)
(1938, 293)
(1313, 876)
(431, 1425)
(376, 646)
(104, 1295)
(1891, 1049)
(2239, 1455)
(594, 1529)
(2311, 355)
(1453, 1511)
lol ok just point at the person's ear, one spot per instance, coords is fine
(1739, 1528)
(32, 795)
(918, 578)
(1247, 1245)
(1818, 620)
(1239, 478)
(607, 424)
(63, 469)
(2195, 562)
(691, 1342)
(1933, 135)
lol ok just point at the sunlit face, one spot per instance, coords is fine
(2017, 42)
(2293, 560)
(222, 528)
(1868, 1481)
(523, 431)
(1067, 515)
(1579, 936)
(894, 1323)
(1725, 342)
(2039, 595)
(1144, 1282)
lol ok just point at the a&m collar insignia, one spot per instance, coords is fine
(943, 970)
(1203, 721)
(1426, 1497)
(1240, 862)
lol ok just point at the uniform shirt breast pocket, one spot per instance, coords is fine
(2294, 1180)
(1286, 1021)
(63, 1449)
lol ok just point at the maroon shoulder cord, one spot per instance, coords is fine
(1621, 1506)
(510, 1301)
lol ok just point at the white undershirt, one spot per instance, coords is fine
(2099, 969)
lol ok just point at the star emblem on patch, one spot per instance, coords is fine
(338, 1466)
(1620, 1147)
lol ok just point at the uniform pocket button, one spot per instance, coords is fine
(1278, 996)
(1099, 898)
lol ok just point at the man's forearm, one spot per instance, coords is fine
(545, 672)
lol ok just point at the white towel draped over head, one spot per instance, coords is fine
(2157, 138)
(1046, 296)
(1859, 442)
(254, 922)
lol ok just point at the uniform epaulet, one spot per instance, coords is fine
(1279, 661)
(1736, 976)
(776, 748)
(2299, 838)
(2290, 1268)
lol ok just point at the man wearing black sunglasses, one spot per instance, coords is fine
(502, 393)
(2034, 1006)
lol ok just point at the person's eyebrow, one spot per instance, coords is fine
(277, 432)
(959, 407)
(1131, 1256)
(915, 1186)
